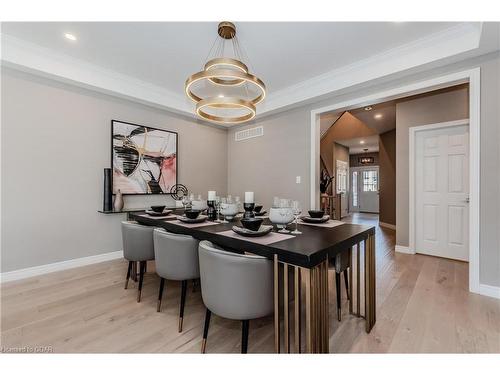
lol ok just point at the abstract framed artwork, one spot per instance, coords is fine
(144, 159)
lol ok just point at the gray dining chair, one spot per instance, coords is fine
(176, 258)
(234, 286)
(137, 247)
(341, 264)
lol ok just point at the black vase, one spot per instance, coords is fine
(108, 194)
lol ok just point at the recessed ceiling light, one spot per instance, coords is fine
(361, 142)
(368, 108)
(378, 116)
(70, 36)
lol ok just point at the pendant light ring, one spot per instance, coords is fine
(225, 103)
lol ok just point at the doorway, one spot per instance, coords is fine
(365, 189)
(473, 78)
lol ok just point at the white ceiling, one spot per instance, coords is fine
(356, 147)
(298, 61)
(167, 53)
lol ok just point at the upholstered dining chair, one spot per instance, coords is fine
(137, 247)
(341, 263)
(176, 258)
(234, 286)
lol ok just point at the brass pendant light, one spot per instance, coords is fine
(223, 73)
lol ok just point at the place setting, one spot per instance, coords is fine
(159, 212)
(318, 218)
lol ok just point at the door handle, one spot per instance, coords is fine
(467, 200)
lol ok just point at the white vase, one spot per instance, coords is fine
(118, 203)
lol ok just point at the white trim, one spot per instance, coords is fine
(58, 266)
(387, 225)
(412, 134)
(489, 290)
(403, 250)
(463, 37)
(473, 77)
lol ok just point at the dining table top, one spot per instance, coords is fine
(305, 250)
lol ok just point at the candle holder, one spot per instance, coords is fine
(248, 210)
(211, 211)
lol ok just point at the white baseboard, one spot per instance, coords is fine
(403, 249)
(387, 225)
(489, 290)
(58, 266)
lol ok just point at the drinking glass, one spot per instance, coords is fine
(222, 202)
(296, 213)
(283, 211)
(185, 202)
(276, 202)
(229, 199)
(217, 207)
(238, 202)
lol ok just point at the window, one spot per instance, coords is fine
(370, 181)
(341, 176)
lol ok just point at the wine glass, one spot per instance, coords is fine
(276, 202)
(185, 202)
(283, 211)
(223, 201)
(296, 213)
(217, 206)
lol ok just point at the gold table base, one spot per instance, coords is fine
(313, 282)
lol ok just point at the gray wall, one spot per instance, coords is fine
(269, 164)
(55, 144)
(387, 170)
(284, 151)
(423, 110)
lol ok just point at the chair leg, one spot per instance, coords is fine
(160, 294)
(244, 336)
(346, 279)
(141, 279)
(129, 270)
(205, 331)
(337, 286)
(183, 302)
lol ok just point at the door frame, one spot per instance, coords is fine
(412, 158)
(361, 169)
(471, 76)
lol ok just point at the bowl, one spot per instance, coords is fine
(199, 205)
(258, 208)
(281, 216)
(251, 223)
(316, 214)
(158, 208)
(229, 210)
(192, 214)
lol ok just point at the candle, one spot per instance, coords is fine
(249, 197)
(211, 195)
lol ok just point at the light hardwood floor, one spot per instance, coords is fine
(422, 306)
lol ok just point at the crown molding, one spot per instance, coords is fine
(447, 43)
(26, 56)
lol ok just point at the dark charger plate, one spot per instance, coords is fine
(313, 220)
(263, 230)
(199, 219)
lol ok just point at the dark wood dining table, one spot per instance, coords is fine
(305, 258)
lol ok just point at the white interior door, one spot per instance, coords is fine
(441, 192)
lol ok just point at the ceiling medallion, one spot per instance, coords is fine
(231, 92)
